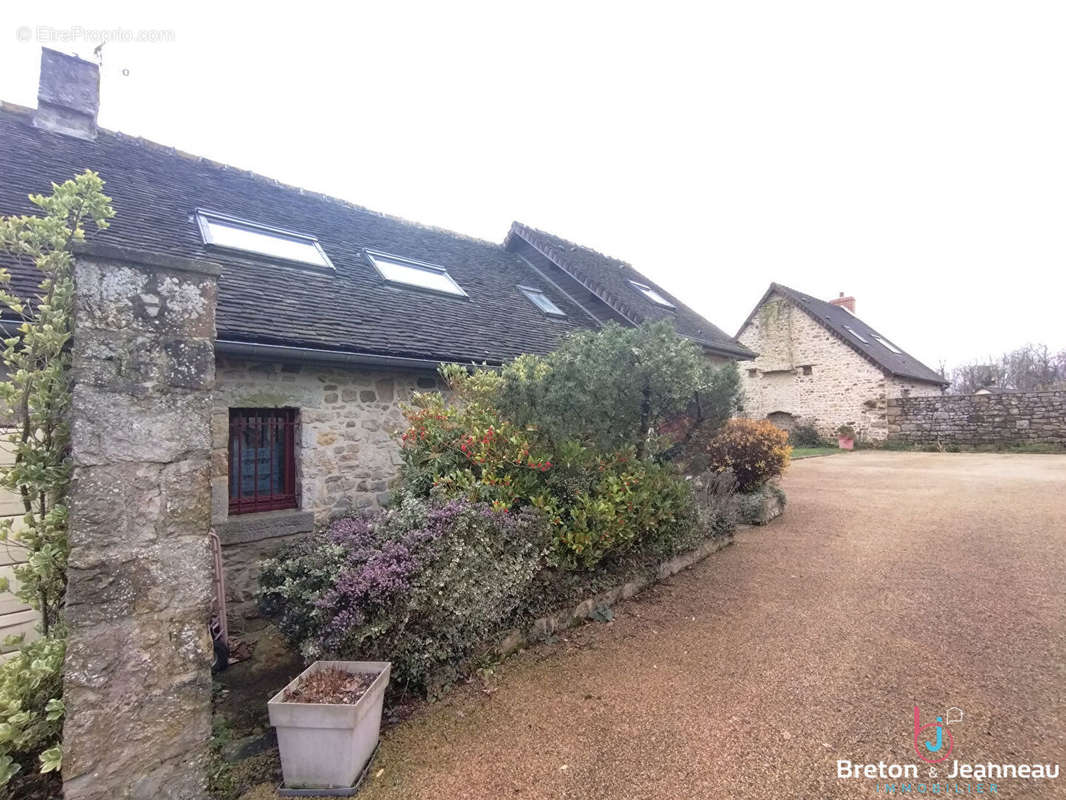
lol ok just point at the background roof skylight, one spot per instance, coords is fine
(396, 269)
(889, 345)
(220, 230)
(851, 330)
(652, 295)
(542, 301)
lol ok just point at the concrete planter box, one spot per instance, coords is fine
(325, 746)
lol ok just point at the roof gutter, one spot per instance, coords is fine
(316, 355)
(740, 355)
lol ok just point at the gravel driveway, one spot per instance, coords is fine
(892, 580)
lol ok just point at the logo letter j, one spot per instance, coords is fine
(928, 751)
(939, 738)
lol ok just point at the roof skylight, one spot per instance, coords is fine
(418, 274)
(219, 230)
(889, 345)
(851, 330)
(652, 294)
(542, 301)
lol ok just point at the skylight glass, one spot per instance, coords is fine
(652, 295)
(851, 330)
(542, 301)
(220, 230)
(889, 345)
(415, 273)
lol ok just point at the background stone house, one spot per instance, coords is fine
(819, 363)
(329, 315)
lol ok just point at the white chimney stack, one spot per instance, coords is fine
(68, 96)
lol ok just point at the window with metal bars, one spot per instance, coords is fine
(262, 459)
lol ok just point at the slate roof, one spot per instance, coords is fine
(835, 318)
(609, 279)
(156, 189)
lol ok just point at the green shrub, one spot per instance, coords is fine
(755, 450)
(594, 504)
(597, 503)
(608, 389)
(465, 448)
(626, 502)
(31, 707)
(805, 434)
(424, 586)
(37, 391)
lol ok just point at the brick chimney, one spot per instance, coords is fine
(845, 302)
(68, 96)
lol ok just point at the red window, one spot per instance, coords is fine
(262, 459)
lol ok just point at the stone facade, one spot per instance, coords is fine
(1012, 418)
(347, 454)
(805, 373)
(137, 683)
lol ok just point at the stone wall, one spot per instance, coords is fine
(137, 683)
(347, 456)
(985, 419)
(805, 372)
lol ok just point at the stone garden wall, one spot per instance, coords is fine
(974, 420)
(137, 681)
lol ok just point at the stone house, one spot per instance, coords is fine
(820, 364)
(329, 315)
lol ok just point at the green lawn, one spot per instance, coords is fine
(811, 452)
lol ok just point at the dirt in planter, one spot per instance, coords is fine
(332, 686)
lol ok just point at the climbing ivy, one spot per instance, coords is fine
(36, 398)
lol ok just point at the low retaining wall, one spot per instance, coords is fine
(760, 507)
(544, 627)
(1005, 419)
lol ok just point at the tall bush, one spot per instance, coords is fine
(574, 435)
(609, 389)
(596, 504)
(36, 394)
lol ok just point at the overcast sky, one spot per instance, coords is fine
(910, 153)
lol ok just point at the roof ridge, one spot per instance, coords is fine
(631, 313)
(593, 250)
(546, 244)
(149, 144)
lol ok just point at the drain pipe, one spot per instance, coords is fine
(220, 590)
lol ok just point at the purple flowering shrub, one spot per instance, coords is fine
(425, 585)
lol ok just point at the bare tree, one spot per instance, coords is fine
(1031, 368)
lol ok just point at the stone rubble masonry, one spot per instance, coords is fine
(347, 455)
(843, 388)
(1012, 418)
(137, 682)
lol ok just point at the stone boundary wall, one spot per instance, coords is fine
(1011, 418)
(137, 676)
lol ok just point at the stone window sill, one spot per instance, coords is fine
(246, 528)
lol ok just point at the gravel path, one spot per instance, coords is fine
(893, 579)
